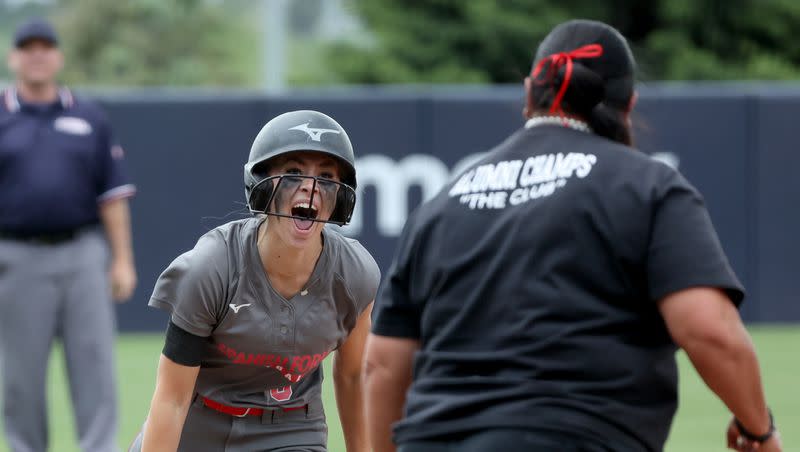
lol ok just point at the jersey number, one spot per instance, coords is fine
(281, 394)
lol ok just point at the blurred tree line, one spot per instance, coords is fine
(456, 41)
(156, 42)
(218, 43)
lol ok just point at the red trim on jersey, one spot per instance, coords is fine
(67, 101)
(120, 192)
(10, 99)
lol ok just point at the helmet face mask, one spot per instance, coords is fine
(329, 201)
(309, 131)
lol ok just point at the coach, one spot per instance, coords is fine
(63, 207)
(540, 297)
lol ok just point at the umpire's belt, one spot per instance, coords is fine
(43, 238)
(242, 411)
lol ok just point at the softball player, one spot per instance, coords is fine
(539, 298)
(259, 303)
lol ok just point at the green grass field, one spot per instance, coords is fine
(699, 425)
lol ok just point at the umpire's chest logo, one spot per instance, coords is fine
(72, 125)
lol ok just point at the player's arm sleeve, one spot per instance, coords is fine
(684, 250)
(395, 312)
(112, 178)
(183, 347)
(193, 288)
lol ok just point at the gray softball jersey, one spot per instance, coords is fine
(264, 350)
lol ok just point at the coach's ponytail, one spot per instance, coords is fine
(595, 63)
(610, 123)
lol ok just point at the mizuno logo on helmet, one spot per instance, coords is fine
(315, 134)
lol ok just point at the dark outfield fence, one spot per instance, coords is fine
(737, 143)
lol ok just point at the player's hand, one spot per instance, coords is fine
(739, 443)
(122, 276)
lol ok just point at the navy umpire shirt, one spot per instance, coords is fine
(57, 162)
(532, 282)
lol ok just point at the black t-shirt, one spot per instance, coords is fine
(532, 281)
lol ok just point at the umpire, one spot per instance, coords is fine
(540, 298)
(63, 207)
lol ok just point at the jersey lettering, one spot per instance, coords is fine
(281, 394)
(293, 368)
(513, 182)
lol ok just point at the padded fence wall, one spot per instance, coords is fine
(737, 144)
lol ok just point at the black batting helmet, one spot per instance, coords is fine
(301, 130)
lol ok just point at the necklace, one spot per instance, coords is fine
(558, 121)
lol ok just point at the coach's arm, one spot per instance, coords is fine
(387, 373)
(706, 325)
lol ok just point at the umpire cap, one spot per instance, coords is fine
(35, 29)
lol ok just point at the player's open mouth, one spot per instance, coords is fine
(304, 210)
